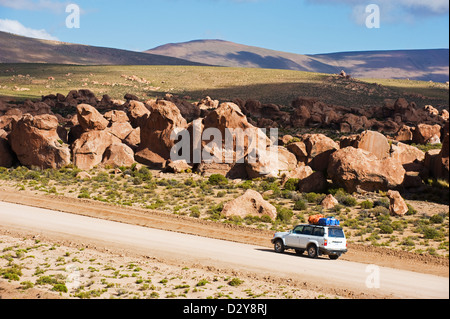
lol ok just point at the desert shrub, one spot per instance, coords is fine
(218, 180)
(367, 204)
(300, 205)
(348, 200)
(383, 202)
(284, 214)
(235, 282)
(34, 175)
(431, 232)
(12, 273)
(312, 197)
(411, 210)
(437, 219)
(386, 228)
(408, 241)
(246, 184)
(215, 211)
(291, 184)
(60, 288)
(195, 211)
(101, 177)
(380, 210)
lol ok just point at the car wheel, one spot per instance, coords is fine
(312, 251)
(279, 246)
(333, 257)
(299, 251)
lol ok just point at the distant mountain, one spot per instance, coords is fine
(19, 49)
(432, 64)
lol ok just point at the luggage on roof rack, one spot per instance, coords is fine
(329, 221)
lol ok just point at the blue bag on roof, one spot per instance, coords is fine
(329, 221)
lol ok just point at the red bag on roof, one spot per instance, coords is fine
(314, 219)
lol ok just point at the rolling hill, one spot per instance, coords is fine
(425, 65)
(19, 49)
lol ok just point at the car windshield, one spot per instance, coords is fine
(336, 232)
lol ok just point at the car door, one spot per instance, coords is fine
(305, 236)
(293, 239)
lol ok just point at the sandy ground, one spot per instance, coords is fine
(108, 274)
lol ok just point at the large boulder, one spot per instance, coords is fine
(319, 148)
(88, 150)
(137, 112)
(354, 168)
(425, 133)
(273, 163)
(90, 119)
(35, 141)
(406, 154)
(329, 202)
(374, 142)
(156, 140)
(6, 155)
(249, 204)
(117, 155)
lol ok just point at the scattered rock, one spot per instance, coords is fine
(398, 206)
(249, 204)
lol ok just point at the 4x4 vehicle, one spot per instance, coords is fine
(316, 240)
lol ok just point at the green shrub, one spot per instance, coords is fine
(217, 180)
(300, 205)
(386, 228)
(431, 232)
(284, 214)
(235, 282)
(348, 200)
(437, 219)
(411, 210)
(12, 273)
(60, 288)
(291, 184)
(367, 204)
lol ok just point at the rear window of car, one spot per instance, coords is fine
(336, 232)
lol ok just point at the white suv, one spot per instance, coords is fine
(316, 240)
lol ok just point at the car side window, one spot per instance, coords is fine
(298, 230)
(318, 231)
(307, 230)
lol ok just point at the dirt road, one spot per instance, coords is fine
(372, 280)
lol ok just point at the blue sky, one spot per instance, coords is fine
(298, 26)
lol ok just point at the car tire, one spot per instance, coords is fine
(279, 246)
(333, 257)
(312, 251)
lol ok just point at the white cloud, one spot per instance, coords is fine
(418, 7)
(35, 5)
(13, 26)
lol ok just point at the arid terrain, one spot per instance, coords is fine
(93, 141)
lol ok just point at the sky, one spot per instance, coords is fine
(297, 26)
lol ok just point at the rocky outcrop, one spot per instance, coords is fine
(249, 204)
(35, 141)
(354, 169)
(156, 142)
